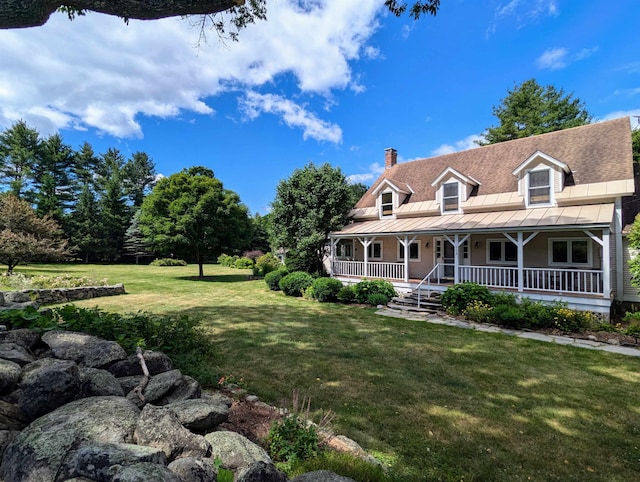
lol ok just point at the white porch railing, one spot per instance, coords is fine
(374, 269)
(490, 276)
(565, 280)
(536, 279)
(580, 281)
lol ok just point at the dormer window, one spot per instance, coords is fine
(450, 197)
(386, 204)
(539, 178)
(540, 187)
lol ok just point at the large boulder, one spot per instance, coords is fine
(47, 449)
(146, 472)
(235, 451)
(21, 336)
(85, 350)
(11, 417)
(95, 382)
(15, 353)
(167, 387)
(160, 428)
(48, 384)
(202, 414)
(261, 472)
(156, 362)
(10, 373)
(100, 462)
(192, 469)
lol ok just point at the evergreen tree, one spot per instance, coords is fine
(53, 192)
(84, 225)
(139, 175)
(135, 244)
(530, 109)
(20, 148)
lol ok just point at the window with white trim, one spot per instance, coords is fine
(386, 204)
(374, 250)
(451, 197)
(501, 251)
(539, 188)
(344, 249)
(414, 251)
(574, 252)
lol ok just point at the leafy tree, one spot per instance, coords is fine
(190, 214)
(26, 237)
(260, 229)
(530, 109)
(635, 138)
(309, 205)
(20, 148)
(36, 12)
(357, 191)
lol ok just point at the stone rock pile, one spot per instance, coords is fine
(11, 300)
(70, 410)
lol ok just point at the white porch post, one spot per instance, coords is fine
(457, 242)
(365, 244)
(605, 245)
(606, 264)
(619, 249)
(520, 243)
(332, 254)
(405, 245)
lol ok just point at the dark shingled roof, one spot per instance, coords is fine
(594, 153)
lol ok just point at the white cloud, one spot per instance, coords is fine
(586, 53)
(372, 174)
(97, 72)
(468, 142)
(254, 104)
(634, 116)
(522, 13)
(553, 59)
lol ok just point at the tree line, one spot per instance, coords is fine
(96, 198)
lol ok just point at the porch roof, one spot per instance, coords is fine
(589, 216)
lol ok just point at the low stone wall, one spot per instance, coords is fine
(58, 295)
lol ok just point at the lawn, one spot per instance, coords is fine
(432, 402)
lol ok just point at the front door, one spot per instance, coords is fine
(445, 255)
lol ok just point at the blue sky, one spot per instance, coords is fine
(334, 81)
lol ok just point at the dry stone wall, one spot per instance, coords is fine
(37, 297)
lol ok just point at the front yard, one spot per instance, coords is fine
(432, 402)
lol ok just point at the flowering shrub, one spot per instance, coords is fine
(456, 298)
(478, 311)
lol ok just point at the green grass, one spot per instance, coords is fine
(432, 402)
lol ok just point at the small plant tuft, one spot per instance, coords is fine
(290, 441)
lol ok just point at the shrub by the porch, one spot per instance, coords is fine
(456, 299)
(365, 288)
(295, 283)
(326, 289)
(273, 278)
(346, 294)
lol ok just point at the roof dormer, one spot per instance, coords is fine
(452, 189)
(390, 195)
(539, 178)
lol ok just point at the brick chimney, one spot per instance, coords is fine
(390, 157)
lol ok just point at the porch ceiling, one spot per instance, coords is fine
(591, 216)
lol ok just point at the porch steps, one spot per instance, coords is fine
(409, 302)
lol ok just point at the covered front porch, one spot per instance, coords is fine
(550, 254)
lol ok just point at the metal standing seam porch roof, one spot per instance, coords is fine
(553, 218)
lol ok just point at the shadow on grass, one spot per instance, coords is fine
(225, 278)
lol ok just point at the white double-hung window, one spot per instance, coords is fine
(539, 188)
